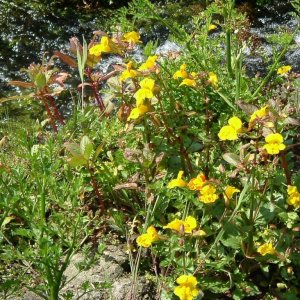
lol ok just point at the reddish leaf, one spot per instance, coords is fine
(66, 59)
(21, 84)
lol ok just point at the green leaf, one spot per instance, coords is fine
(77, 161)
(40, 80)
(97, 152)
(86, 147)
(7, 220)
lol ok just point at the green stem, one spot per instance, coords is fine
(228, 52)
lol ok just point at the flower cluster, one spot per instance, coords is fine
(294, 196)
(187, 287)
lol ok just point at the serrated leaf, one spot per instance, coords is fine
(40, 80)
(86, 147)
(77, 161)
(231, 158)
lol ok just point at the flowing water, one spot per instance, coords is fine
(27, 34)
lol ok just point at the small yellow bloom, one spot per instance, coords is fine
(145, 92)
(211, 27)
(146, 239)
(187, 287)
(148, 64)
(236, 123)
(230, 132)
(128, 73)
(197, 183)
(190, 224)
(178, 182)
(138, 112)
(106, 45)
(186, 226)
(208, 194)
(294, 196)
(132, 37)
(181, 73)
(213, 78)
(188, 82)
(259, 114)
(274, 143)
(284, 70)
(266, 248)
(292, 189)
(229, 192)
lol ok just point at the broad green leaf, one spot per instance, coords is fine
(77, 161)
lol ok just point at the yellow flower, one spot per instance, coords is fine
(176, 225)
(213, 78)
(284, 70)
(139, 111)
(181, 73)
(106, 45)
(128, 73)
(132, 37)
(292, 189)
(148, 64)
(190, 224)
(230, 132)
(274, 143)
(186, 226)
(197, 183)
(294, 196)
(146, 239)
(236, 123)
(211, 27)
(259, 114)
(145, 92)
(229, 192)
(187, 287)
(266, 248)
(208, 194)
(178, 182)
(188, 82)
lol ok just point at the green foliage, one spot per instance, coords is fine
(195, 163)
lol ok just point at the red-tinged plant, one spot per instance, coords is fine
(46, 83)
